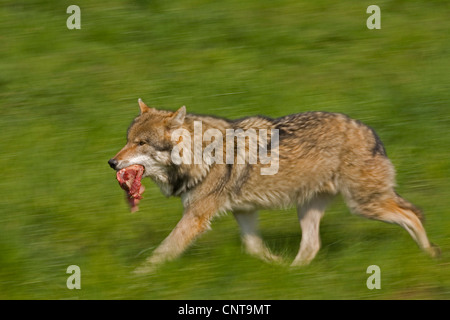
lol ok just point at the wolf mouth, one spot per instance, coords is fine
(129, 179)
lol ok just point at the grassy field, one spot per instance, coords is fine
(68, 96)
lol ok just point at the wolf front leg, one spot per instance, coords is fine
(254, 245)
(196, 219)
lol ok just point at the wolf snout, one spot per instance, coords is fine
(113, 163)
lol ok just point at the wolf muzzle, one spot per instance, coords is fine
(113, 163)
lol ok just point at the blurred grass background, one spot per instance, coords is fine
(68, 96)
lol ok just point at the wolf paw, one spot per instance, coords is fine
(145, 269)
(434, 251)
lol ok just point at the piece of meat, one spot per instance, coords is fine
(130, 180)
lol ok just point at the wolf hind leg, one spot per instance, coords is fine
(309, 215)
(253, 243)
(390, 207)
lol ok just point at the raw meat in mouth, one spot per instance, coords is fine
(130, 180)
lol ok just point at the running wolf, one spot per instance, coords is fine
(320, 155)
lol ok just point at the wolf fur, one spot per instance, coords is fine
(321, 154)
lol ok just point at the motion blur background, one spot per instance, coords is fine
(68, 96)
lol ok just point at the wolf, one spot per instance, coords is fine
(320, 155)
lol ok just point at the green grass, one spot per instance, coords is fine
(68, 96)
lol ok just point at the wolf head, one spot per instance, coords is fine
(149, 144)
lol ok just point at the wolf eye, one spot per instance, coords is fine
(142, 142)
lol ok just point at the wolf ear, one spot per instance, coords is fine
(177, 119)
(143, 106)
